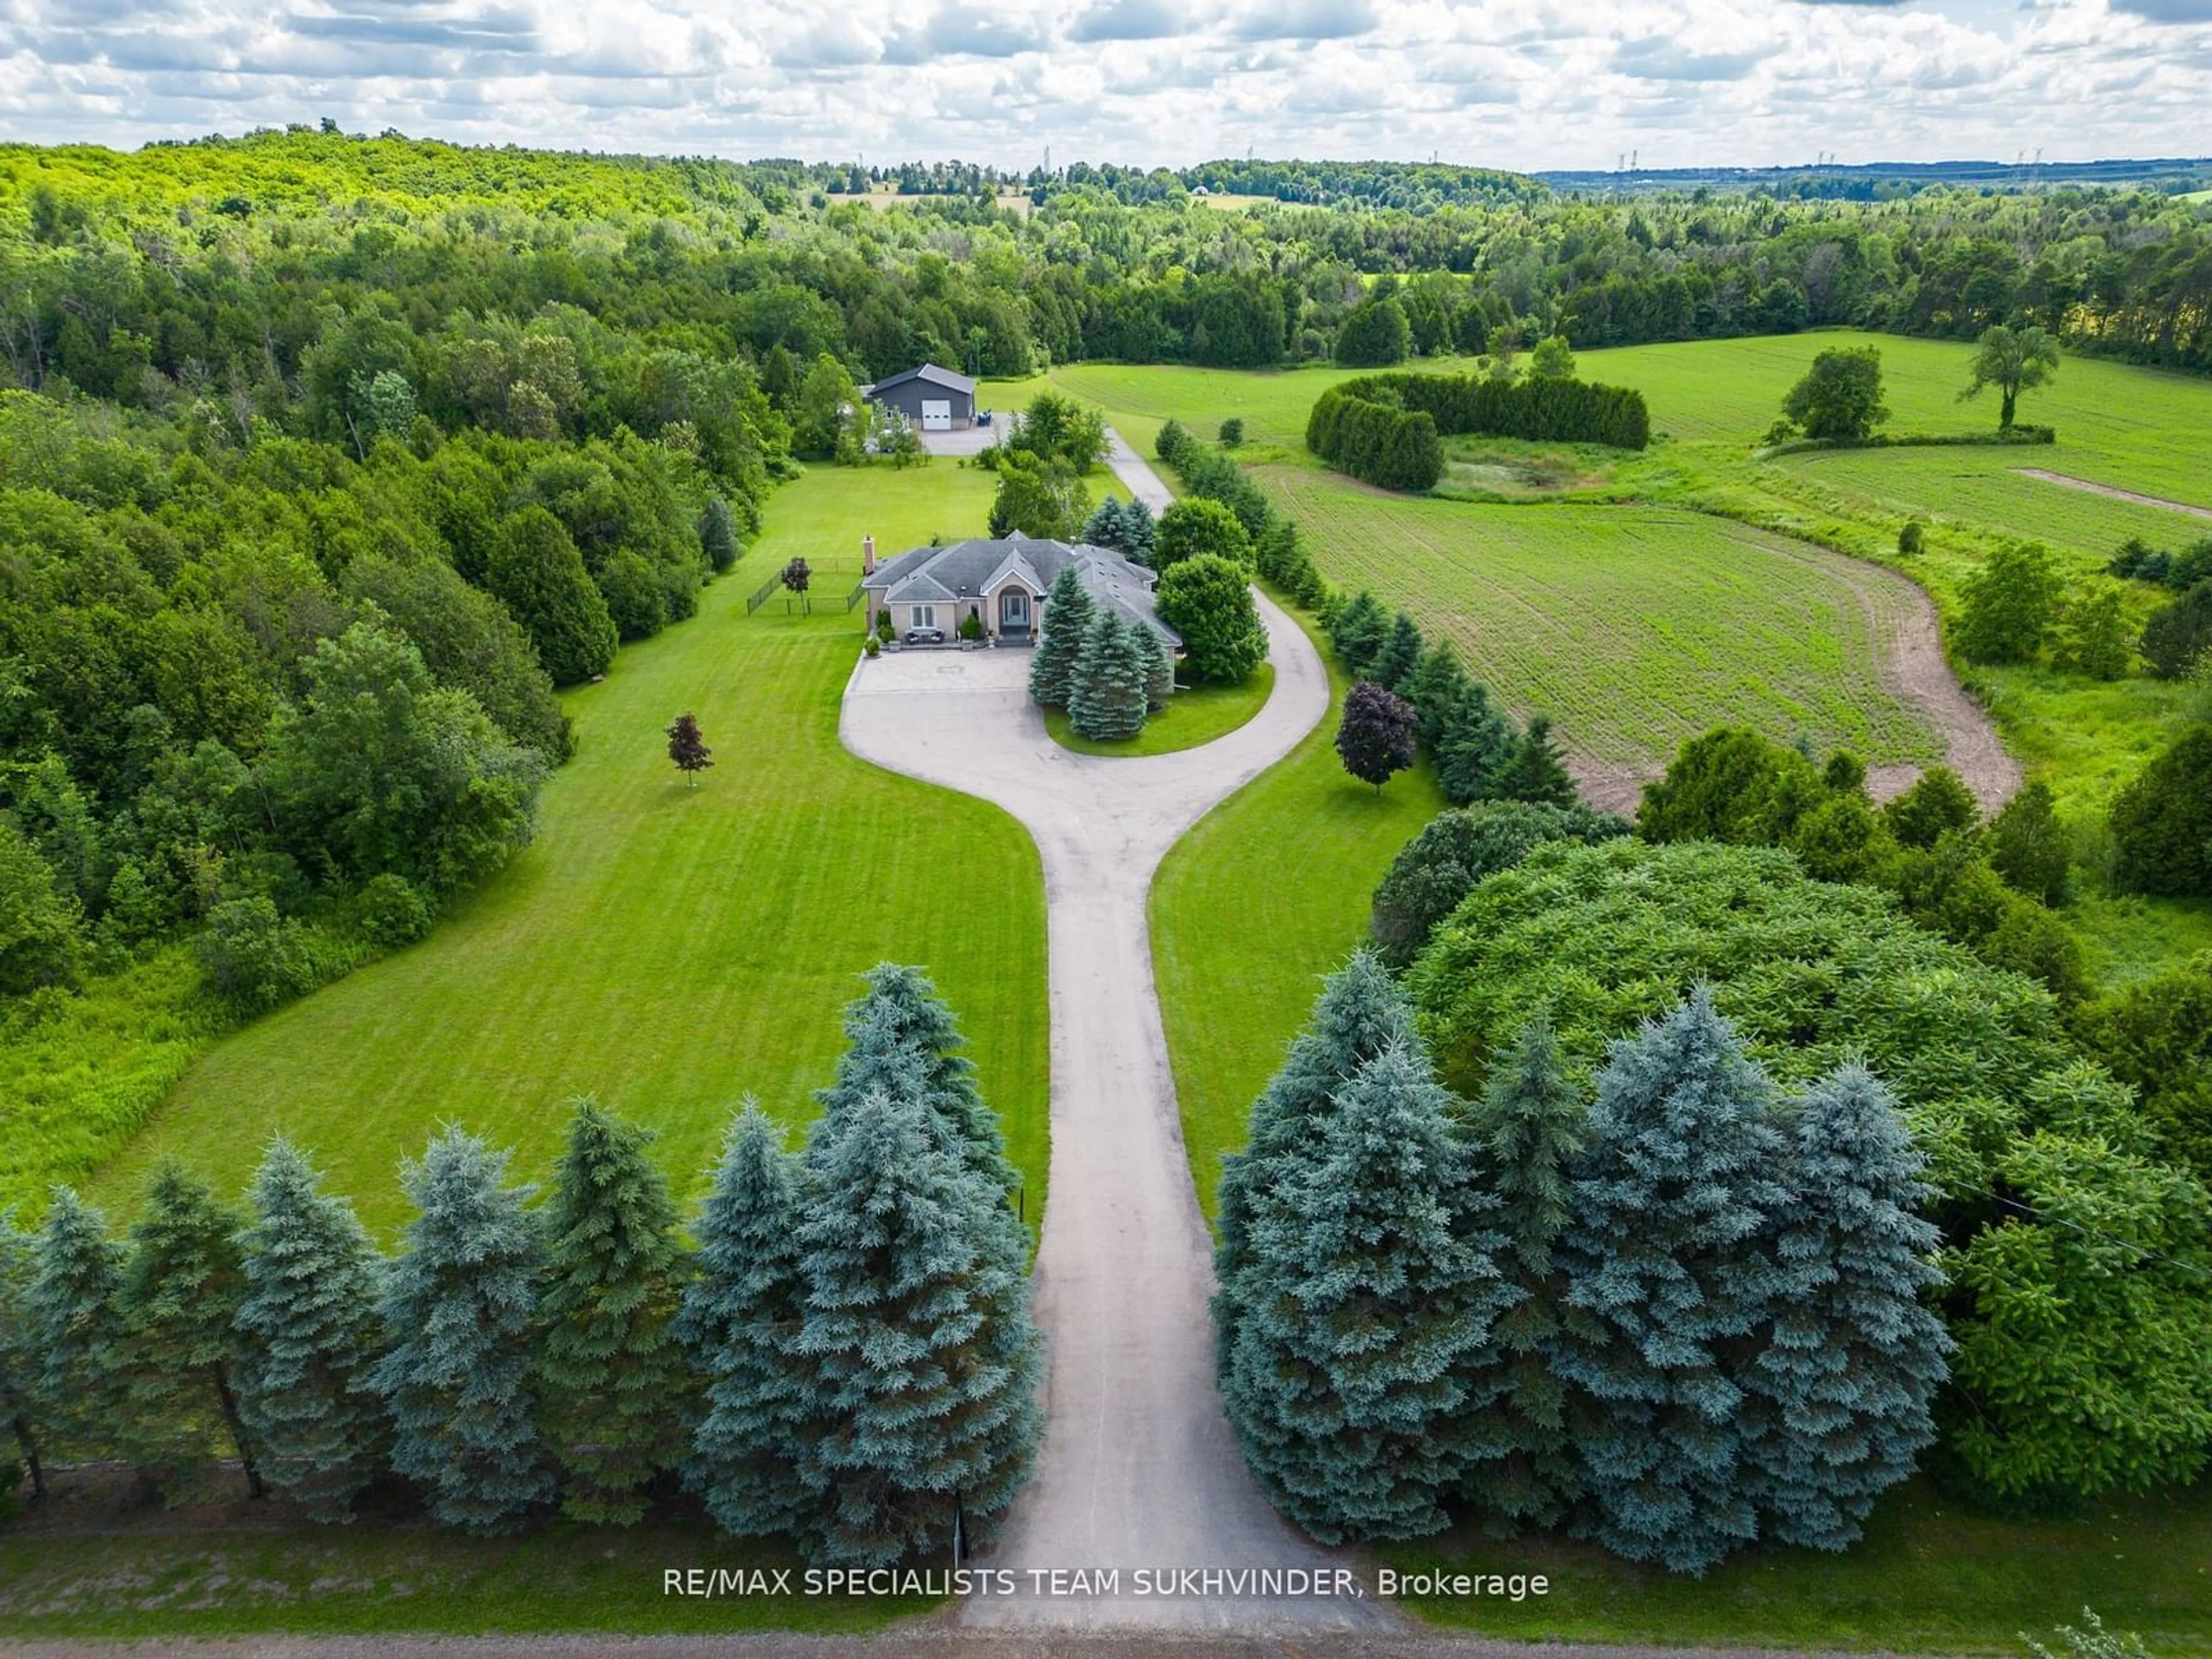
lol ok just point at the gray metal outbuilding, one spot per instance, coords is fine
(933, 400)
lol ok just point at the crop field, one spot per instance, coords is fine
(1267, 892)
(667, 948)
(1633, 628)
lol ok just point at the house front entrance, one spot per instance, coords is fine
(1013, 613)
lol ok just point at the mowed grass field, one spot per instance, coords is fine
(667, 948)
(164, 1583)
(1634, 628)
(2135, 429)
(1930, 1576)
(1980, 487)
(1267, 893)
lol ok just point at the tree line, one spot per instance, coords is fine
(842, 1356)
(457, 245)
(2065, 1139)
(1678, 1313)
(269, 706)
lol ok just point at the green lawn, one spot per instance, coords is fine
(2138, 428)
(667, 948)
(1195, 714)
(1634, 628)
(1267, 892)
(1980, 487)
(369, 1579)
(1931, 1576)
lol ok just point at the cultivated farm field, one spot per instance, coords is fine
(1633, 628)
(667, 948)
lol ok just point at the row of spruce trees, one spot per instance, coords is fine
(1473, 743)
(1110, 673)
(1679, 1318)
(844, 1356)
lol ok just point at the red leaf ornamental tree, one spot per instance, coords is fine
(1376, 739)
(688, 748)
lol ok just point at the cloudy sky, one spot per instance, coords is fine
(1520, 83)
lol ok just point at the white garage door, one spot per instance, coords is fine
(937, 417)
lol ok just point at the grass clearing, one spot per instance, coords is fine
(1267, 892)
(666, 949)
(1196, 714)
(1931, 1576)
(1981, 487)
(2137, 429)
(1633, 628)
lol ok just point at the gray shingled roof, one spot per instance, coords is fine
(967, 569)
(929, 372)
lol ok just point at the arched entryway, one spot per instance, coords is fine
(1013, 614)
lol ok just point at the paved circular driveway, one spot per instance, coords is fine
(1139, 1469)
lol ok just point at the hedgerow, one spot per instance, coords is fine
(1386, 430)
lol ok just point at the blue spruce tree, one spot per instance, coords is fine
(1108, 693)
(1137, 527)
(617, 1391)
(308, 1335)
(77, 1325)
(1368, 1296)
(20, 1361)
(1359, 1013)
(1068, 609)
(460, 1316)
(900, 1021)
(1669, 1284)
(1159, 667)
(1524, 1135)
(1106, 527)
(926, 1360)
(1854, 1359)
(740, 1324)
(180, 1297)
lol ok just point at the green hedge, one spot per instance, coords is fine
(2015, 435)
(1386, 428)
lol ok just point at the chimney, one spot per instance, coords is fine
(867, 556)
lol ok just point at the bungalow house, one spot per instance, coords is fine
(1003, 584)
(933, 400)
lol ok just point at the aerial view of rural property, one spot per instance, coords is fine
(1097, 830)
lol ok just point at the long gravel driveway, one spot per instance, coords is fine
(1139, 1469)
